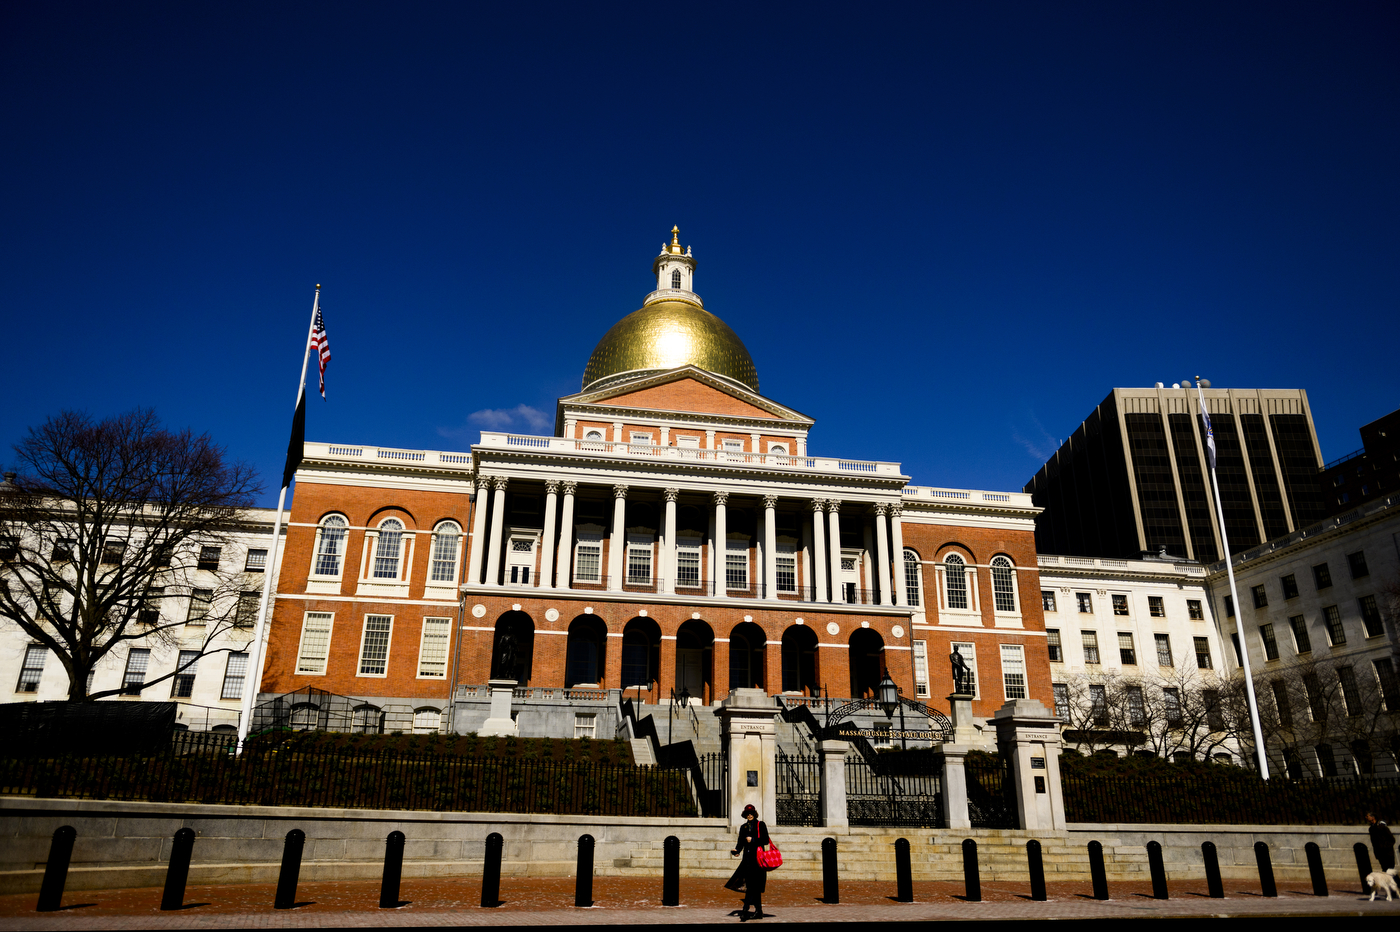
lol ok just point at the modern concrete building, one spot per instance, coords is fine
(1368, 473)
(1132, 478)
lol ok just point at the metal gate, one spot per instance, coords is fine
(714, 798)
(906, 799)
(799, 790)
(991, 792)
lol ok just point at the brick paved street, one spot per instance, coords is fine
(632, 901)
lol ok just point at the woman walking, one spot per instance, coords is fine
(750, 877)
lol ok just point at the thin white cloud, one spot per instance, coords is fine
(520, 417)
(1040, 446)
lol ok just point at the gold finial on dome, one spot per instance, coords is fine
(676, 240)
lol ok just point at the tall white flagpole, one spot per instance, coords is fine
(1239, 610)
(257, 652)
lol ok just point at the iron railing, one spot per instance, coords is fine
(798, 789)
(908, 799)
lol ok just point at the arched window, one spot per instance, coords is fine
(955, 579)
(593, 435)
(426, 721)
(913, 578)
(387, 549)
(1004, 584)
(676, 278)
(305, 716)
(330, 546)
(366, 720)
(447, 538)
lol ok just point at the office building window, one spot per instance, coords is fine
(1091, 646)
(1052, 642)
(1098, 705)
(330, 546)
(1155, 607)
(134, 677)
(150, 606)
(1317, 704)
(1281, 703)
(315, 643)
(256, 561)
(1202, 646)
(1215, 713)
(1171, 702)
(1332, 618)
(1261, 598)
(1326, 761)
(1235, 641)
(209, 558)
(1086, 603)
(1356, 562)
(432, 648)
(32, 670)
(1350, 692)
(1137, 710)
(234, 674)
(182, 683)
(374, 645)
(1164, 649)
(1195, 610)
(201, 600)
(1229, 606)
(1120, 605)
(246, 615)
(1370, 616)
(1390, 689)
(1013, 671)
(1047, 600)
(63, 550)
(1290, 586)
(1061, 701)
(1322, 576)
(1125, 649)
(1266, 632)
(1301, 641)
(112, 550)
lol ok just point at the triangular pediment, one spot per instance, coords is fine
(690, 390)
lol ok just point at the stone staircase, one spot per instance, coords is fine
(698, 724)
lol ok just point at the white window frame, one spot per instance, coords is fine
(183, 671)
(687, 442)
(785, 561)
(1002, 561)
(230, 676)
(641, 544)
(969, 655)
(364, 640)
(432, 621)
(585, 724)
(302, 656)
(420, 717)
(969, 573)
(690, 546)
(441, 532)
(27, 667)
(642, 438)
(369, 573)
(592, 540)
(316, 553)
(731, 445)
(512, 560)
(778, 449)
(914, 577)
(739, 546)
(921, 687)
(1013, 664)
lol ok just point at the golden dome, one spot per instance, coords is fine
(666, 334)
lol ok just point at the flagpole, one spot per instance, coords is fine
(256, 652)
(1239, 613)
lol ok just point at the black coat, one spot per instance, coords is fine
(750, 876)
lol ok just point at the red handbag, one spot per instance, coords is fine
(769, 858)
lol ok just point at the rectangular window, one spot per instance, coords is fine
(1290, 586)
(1285, 710)
(688, 563)
(234, 675)
(150, 606)
(734, 446)
(882, 735)
(1229, 606)
(638, 437)
(1194, 610)
(374, 645)
(135, 675)
(921, 669)
(63, 550)
(1326, 761)
(1350, 692)
(1171, 702)
(1322, 576)
(969, 656)
(1137, 711)
(1086, 603)
(257, 561)
(1061, 701)
(209, 558)
(1164, 649)
(639, 563)
(1155, 607)
(315, 642)
(1215, 713)
(786, 570)
(1013, 671)
(1235, 641)
(1317, 704)
(588, 561)
(445, 544)
(200, 602)
(1270, 645)
(1202, 653)
(246, 615)
(1052, 642)
(736, 565)
(1125, 649)
(32, 670)
(1261, 598)
(1335, 632)
(1390, 689)
(1356, 562)
(1300, 634)
(1047, 600)
(182, 683)
(1098, 705)
(1120, 605)
(1370, 616)
(432, 648)
(585, 724)
(112, 550)
(1091, 646)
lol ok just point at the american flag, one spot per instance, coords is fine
(1210, 435)
(322, 346)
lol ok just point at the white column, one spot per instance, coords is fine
(618, 546)
(617, 431)
(569, 424)
(901, 582)
(478, 548)
(566, 535)
(819, 564)
(882, 550)
(551, 502)
(709, 440)
(667, 570)
(770, 546)
(833, 517)
(720, 547)
(498, 530)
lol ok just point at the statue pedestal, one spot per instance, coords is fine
(964, 732)
(499, 722)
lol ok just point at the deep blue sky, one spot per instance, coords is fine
(944, 230)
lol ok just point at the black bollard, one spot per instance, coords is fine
(177, 874)
(1037, 867)
(1212, 862)
(56, 870)
(831, 889)
(972, 879)
(491, 871)
(291, 870)
(1266, 868)
(671, 871)
(1096, 871)
(1159, 870)
(903, 871)
(393, 871)
(583, 886)
(1319, 878)
(1363, 862)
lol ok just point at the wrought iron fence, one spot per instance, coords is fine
(202, 768)
(908, 799)
(715, 797)
(991, 793)
(798, 789)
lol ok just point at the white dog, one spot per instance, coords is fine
(1382, 880)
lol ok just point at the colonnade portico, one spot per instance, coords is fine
(821, 561)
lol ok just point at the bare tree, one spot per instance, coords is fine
(104, 518)
(1182, 712)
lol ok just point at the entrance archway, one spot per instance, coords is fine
(694, 656)
(748, 646)
(513, 649)
(641, 653)
(800, 661)
(585, 656)
(867, 655)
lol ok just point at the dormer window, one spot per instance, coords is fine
(675, 278)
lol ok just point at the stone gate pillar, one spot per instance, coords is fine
(833, 798)
(1028, 736)
(747, 718)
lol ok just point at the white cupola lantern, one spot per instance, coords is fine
(674, 267)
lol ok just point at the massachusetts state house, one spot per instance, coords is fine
(674, 535)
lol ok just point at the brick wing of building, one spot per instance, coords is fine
(674, 534)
